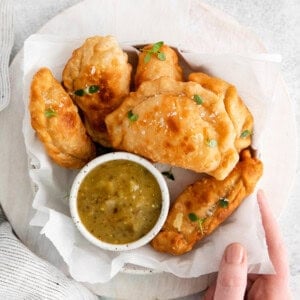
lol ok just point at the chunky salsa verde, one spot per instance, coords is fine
(119, 201)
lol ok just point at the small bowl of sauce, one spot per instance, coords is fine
(119, 201)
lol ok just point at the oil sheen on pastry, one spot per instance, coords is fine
(178, 123)
(97, 76)
(57, 123)
(204, 205)
(238, 112)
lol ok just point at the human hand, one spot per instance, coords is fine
(232, 282)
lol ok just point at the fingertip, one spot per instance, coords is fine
(235, 253)
(274, 239)
(232, 277)
(261, 195)
(262, 200)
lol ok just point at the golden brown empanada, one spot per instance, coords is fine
(97, 76)
(58, 125)
(151, 66)
(204, 205)
(238, 112)
(178, 123)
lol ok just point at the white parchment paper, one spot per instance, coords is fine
(255, 78)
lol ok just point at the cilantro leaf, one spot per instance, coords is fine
(92, 89)
(198, 99)
(132, 116)
(155, 50)
(223, 202)
(245, 133)
(147, 57)
(49, 113)
(79, 93)
(193, 217)
(156, 46)
(161, 56)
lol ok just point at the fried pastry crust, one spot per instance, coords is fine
(155, 68)
(238, 112)
(210, 202)
(98, 62)
(171, 127)
(57, 123)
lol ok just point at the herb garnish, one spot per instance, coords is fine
(194, 218)
(79, 93)
(198, 99)
(92, 89)
(168, 174)
(155, 50)
(223, 202)
(49, 113)
(245, 133)
(211, 143)
(132, 116)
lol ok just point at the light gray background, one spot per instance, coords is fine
(275, 22)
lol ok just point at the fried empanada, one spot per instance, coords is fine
(178, 123)
(204, 205)
(151, 66)
(97, 76)
(238, 112)
(58, 125)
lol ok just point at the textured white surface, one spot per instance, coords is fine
(275, 22)
(19, 280)
(6, 42)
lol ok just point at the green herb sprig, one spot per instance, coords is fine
(49, 113)
(223, 202)
(155, 50)
(92, 89)
(132, 116)
(198, 99)
(245, 133)
(194, 218)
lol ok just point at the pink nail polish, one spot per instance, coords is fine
(234, 254)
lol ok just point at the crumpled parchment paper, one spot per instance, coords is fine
(254, 77)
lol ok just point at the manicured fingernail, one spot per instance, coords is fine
(234, 254)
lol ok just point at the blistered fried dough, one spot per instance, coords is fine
(204, 205)
(163, 122)
(56, 120)
(238, 112)
(101, 64)
(156, 68)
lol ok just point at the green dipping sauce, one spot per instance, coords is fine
(119, 201)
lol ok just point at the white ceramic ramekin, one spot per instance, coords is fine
(119, 156)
